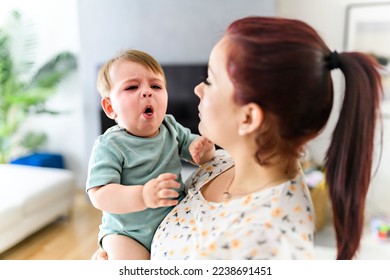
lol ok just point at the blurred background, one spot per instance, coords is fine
(180, 35)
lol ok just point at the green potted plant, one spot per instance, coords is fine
(24, 86)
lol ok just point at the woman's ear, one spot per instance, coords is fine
(251, 120)
(107, 108)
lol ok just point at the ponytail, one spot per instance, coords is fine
(349, 157)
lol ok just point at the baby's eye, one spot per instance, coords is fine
(156, 87)
(131, 87)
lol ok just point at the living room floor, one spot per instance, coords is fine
(68, 238)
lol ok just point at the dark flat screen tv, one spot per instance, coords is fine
(182, 101)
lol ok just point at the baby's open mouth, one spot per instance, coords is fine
(148, 110)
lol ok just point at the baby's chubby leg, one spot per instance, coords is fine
(120, 247)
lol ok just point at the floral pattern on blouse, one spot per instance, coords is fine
(276, 223)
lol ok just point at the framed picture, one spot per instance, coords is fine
(367, 29)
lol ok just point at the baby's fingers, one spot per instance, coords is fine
(167, 183)
(196, 151)
(166, 176)
(166, 197)
(161, 191)
(167, 202)
(167, 193)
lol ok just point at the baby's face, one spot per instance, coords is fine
(138, 97)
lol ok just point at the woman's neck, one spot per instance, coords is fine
(250, 176)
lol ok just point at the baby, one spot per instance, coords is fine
(134, 173)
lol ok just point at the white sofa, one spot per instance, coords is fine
(31, 198)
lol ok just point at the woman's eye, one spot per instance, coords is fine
(205, 80)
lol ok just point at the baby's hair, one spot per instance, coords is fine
(103, 80)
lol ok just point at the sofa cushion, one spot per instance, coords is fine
(10, 212)
(34, 187)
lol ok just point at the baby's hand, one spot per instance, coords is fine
(159, 192)
(202, 150)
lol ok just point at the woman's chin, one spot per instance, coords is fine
(203, 132)
(200, 129)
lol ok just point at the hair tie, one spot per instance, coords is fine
(333, 60)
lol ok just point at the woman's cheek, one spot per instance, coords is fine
(206, 106)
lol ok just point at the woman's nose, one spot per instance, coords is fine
(197, 90)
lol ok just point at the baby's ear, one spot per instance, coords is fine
(252, 118)
(107, 108)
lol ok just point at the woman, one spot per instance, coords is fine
(269, 91)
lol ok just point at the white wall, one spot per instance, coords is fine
(56, 24)
(328, 18)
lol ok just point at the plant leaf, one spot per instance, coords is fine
(22, 44)
(32, 140)
(29, 97)
(5, 59)
(24, 91)
(52, 72)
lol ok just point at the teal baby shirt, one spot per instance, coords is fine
(119, 157)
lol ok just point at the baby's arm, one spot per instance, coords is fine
(202, 150)
(120, 199)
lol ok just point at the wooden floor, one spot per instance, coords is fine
(70, 238)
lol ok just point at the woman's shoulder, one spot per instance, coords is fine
(218, 164)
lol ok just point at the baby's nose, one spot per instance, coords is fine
(146, 94)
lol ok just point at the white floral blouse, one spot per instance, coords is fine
(277, 223)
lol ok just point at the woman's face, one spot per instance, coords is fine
(217, 109)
